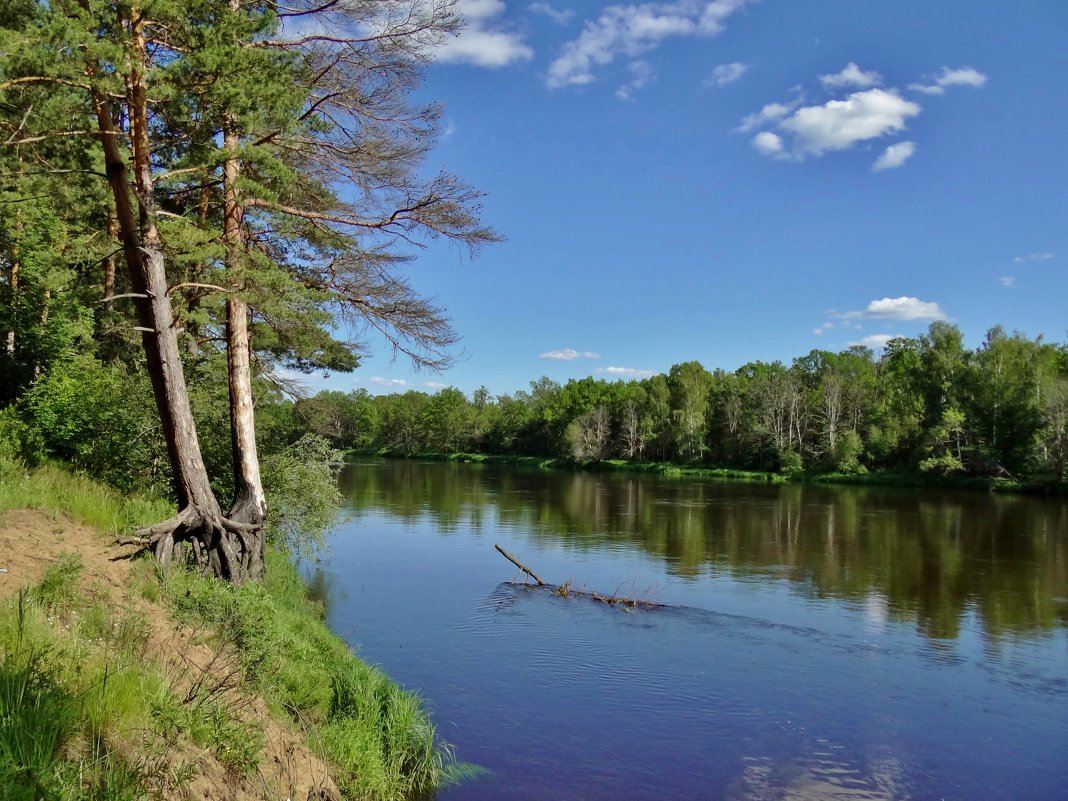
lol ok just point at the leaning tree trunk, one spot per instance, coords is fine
(199, 533)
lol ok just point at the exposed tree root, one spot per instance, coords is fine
(211, 543)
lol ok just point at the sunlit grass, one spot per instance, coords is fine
(54, 489)
(377, 735)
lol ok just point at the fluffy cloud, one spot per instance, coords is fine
(625, 372)
(434, 385)
(852, 75)
(726, 74)
(768, 143)
(641, 75)
(568, 354)
(903, 308)
(379, 381)
(772, 112)
(630, 30)
(1043, 256)
(483, 42)
(894, 156)
(561, 16)
(840, 124)
(1008, 281)
(874, 341)
(965, 76)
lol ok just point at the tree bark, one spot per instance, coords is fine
(250, 502)
(109, 264)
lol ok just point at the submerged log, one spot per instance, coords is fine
(567, 591)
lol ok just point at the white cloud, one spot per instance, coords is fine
(1008, 281)
(894, 156)
(823, 329)
(434, 385)
(630, 30)
(1043, 256)
(768, 143)
(379, 381)
(482, 42)
(852, 75)
(726, 74)
(903, 308)
(961, 77)
(965, 76)
(568, 354)
(772, 112)
(641, 75)
(625, 372)
(561, 16)
(840, 124)
(874, 341)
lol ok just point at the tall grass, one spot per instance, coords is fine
(73, 683)
(378, 736)
(74, 680)
(55, 489)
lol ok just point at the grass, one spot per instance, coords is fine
(84, 714)
(378, 736)
(55, 489)
(73, 685)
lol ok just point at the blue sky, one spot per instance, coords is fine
(729, 181)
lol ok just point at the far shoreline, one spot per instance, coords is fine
(881, 478)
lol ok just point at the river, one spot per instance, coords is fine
(815, 643)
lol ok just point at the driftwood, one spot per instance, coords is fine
(521, 566)
(565, 590)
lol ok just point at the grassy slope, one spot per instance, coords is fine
(74, 681)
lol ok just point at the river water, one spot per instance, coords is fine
(815, 643)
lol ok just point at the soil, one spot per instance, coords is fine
(31, 540)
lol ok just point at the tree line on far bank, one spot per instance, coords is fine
(925, 404)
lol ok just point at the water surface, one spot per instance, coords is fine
(817, 643)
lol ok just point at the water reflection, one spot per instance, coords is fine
(927, 557)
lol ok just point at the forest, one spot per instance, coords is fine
(927, 405)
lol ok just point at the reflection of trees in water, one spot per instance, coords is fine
(823, 773)
(932, 556)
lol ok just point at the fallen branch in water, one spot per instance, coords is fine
(566, 591)
(520, 565)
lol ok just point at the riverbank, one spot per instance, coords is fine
(671, 470)
(121, 683)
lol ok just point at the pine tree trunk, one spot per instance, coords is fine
(199, 533)
(250, 503)
(109, 264)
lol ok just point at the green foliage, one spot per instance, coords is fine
(378, 736)
(66, 694)
(207, 722)
(55, 489)
(927, 406)
(303, 498)
(101, 418)
(847, 452)
(790, 463)
(59, 585)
